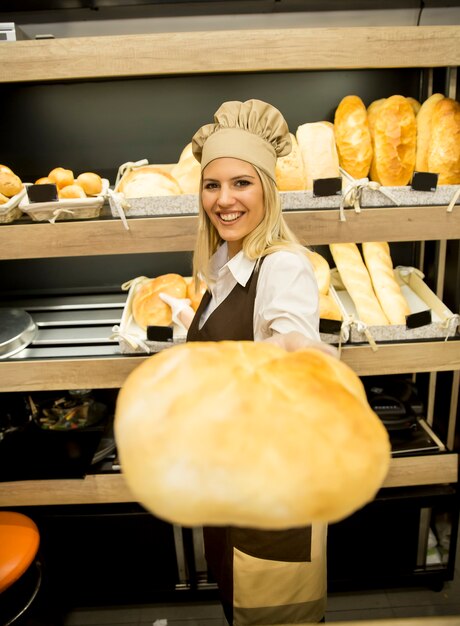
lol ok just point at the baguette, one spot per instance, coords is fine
(321, 270)
(444, 149)
(424, 117)
(358, 283)
(380, 266)
(328, 308)
(353, 137)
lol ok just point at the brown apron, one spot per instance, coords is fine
(264, 577)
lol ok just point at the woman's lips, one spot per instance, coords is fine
(229, 218)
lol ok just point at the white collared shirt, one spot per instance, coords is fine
(287, 292)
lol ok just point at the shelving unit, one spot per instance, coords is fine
(183, 54)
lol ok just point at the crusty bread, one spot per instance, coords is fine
(44, 180)
(357, 282)
(321, 269)
(71, 191)
(187, 171)
(328, 308)
(380, 266)
(415, 104)
(5, 168)
(247, 434)
(290, 171)
(90, 182)
(195, 295)
(61, 177)
(147, 307)
(444, 147)
(394, 132)
(424, 117)
(147, 181)
(319, 153)
(10, 184)
(353, 137)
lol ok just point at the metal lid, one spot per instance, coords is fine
(17, 331)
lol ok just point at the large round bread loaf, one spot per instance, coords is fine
(394, 133)
(147, 181)
(148, 308)
(290, 171)
(353, 137)
(247, 434)
(444, 150)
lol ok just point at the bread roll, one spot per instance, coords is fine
(289, 170)
(90, 182)
(187, 171)
(356, 279)
(380, 266)
(415, 104)
(319, 153)
(61, 177)
(3, 199)
(394, 133)
(424, 131)
(147, 181)
(147, 307)
(328, 308)
(322, 271)
(247, 434)
(353, 137)
(5, 168)
(444, 147)
(195, 295)
(10, 184)
(44, 180)
(71, 191)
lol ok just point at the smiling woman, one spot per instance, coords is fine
(261, 287)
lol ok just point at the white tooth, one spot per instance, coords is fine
(230, 217)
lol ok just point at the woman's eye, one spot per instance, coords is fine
(211, 186)
(242, 183)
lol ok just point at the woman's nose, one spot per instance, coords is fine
(226, 197)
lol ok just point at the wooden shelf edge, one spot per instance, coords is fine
(111, 372)
(177, 233)
(293, 49)
(112, 488)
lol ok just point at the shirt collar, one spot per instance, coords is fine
(240, 266)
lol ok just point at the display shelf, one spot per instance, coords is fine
(111, 488)
(111, 372)
(177, 233)
(260, 50)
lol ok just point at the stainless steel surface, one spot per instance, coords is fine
(17, 330)
(69, 326)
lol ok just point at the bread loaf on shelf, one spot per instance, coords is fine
(353, 137)
(415, 104)
(357, 282)
(444, 146)
(424, 118)
(380, 266)
(321, 270)
(61, 177)
(10, 184)
(394, 133)
(147, 181)
(244, 433)
(290, 170)
(319, 153)
(187, 171)
(328, 308)
(193, 294)
(148, 309)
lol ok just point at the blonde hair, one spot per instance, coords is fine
(271, 235)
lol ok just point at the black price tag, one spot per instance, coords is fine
(424, 181)
(415, 320)
(42, 193)
(330, 327)
(327, 187)
(159, 333)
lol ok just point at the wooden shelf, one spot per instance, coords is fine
(110, 372)
(177, 233)
(262, 50)
(110, 488)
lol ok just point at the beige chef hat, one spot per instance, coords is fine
(252, 131)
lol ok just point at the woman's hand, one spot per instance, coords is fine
(182, 312)
(297, 341)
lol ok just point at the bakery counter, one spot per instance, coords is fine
(111, 488)
(109, 372)
(176, 233)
